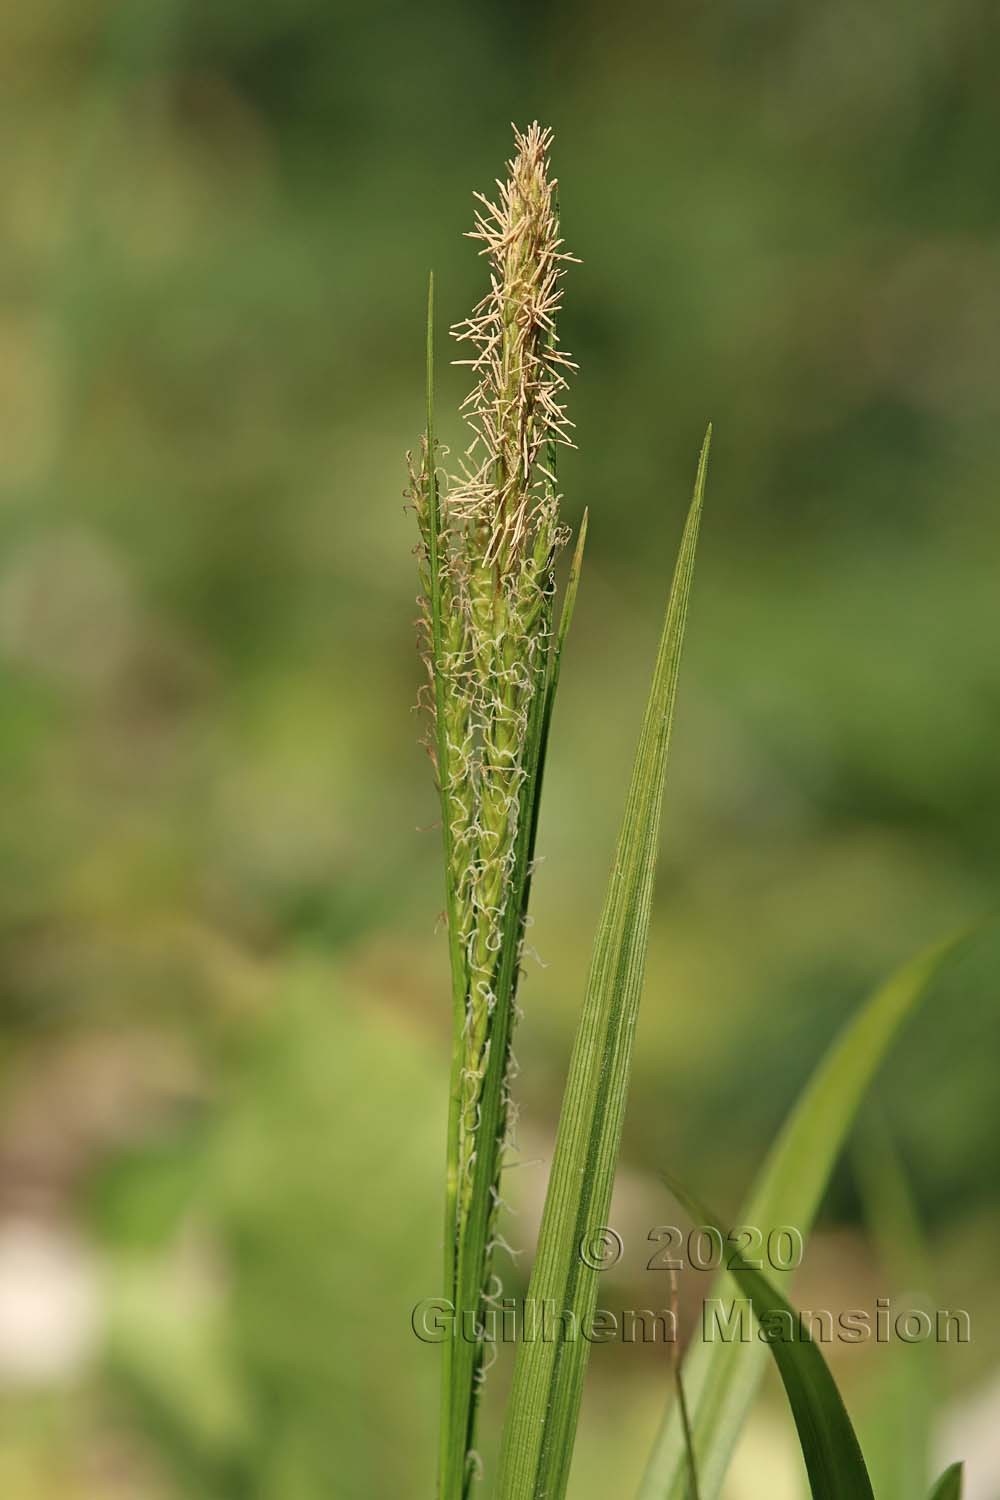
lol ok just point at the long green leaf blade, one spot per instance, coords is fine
(949, 1486)
(834, 1461)
(548, 698)
(548, 1374)
(902, 1407)
(721, 1378)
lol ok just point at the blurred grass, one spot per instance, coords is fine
(216, 232)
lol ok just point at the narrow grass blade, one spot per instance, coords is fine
(721, 1378)
(832, 1453)
(901, 1406)
(682, 1407)
(949, 1486)
(548, 1373)
(569, 600)
(552, 684)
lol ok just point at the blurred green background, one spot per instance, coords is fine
(224, 1009)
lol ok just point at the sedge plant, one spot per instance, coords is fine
(492, 634)
(492, 641)
(489, 540)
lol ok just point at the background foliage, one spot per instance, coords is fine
(224, 1008)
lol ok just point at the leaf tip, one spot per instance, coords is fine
(697, 499)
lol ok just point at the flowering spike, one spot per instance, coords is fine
(516, 406)
(489, 538)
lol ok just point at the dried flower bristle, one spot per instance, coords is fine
(515, 408)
